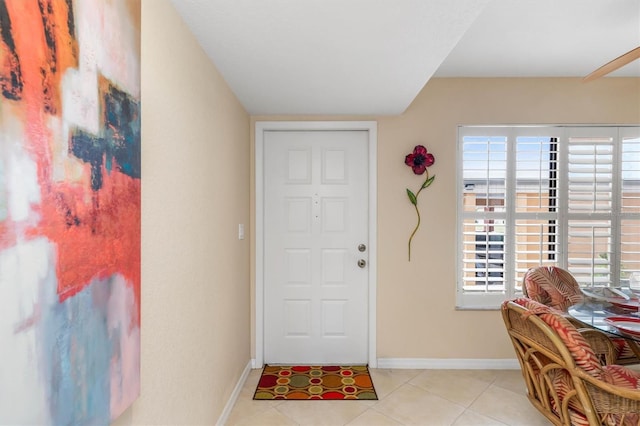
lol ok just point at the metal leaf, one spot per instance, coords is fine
(428, 182)
(412, 197)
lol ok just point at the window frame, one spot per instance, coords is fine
(466, 299)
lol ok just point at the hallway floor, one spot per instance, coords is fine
(405, 397)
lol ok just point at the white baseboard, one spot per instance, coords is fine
(254, 364)
(234, 395)
(449, 364)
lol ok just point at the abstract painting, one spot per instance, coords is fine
(69, 210)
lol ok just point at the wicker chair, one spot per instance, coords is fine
(551, 286)
(557, 288)
(567, 371)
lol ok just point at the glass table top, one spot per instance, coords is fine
(608, 317)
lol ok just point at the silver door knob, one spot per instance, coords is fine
(362, 247)
(362, 263)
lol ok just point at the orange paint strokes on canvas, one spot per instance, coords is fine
(7, 235)
(10, 81)
(95, 238)
(28, 35)
(96, 233)
(42, 67)
(40, 93)
(66, 47)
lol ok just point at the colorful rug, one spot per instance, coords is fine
(315, 382)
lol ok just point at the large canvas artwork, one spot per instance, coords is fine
(69, 210)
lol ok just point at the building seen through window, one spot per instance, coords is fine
(530, 196)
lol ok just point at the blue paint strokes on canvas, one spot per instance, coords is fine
(123, 130)
(76, 334)
(119, 138)
(90, 149)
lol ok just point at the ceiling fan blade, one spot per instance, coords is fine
(614, 65)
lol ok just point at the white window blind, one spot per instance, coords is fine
(485, 160)
(536, 193)
(630, 206)
(545, 195)
(590, 177)
(590, 189)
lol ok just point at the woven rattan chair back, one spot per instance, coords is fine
(557, 288)
(563, 374)
(551, 286)
(543, 357)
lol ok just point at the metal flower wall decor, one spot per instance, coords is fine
(419, 160)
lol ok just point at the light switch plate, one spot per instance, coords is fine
(241, 231)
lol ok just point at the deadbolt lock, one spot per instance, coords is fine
(362, 247)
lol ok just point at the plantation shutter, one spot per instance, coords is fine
(590, 202)
(630, 207)
(536, 194)
(482, 244)
(546, 195)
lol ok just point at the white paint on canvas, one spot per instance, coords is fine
(27, 263)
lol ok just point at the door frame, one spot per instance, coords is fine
(260, 128)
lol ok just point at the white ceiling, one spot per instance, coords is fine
(374, 56)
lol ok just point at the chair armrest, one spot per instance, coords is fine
(611, 399)
(601, 344)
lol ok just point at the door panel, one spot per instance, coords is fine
(315, 216)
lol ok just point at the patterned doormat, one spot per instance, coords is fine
(315, 382)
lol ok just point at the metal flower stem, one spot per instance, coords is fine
(414, 201)
(415, 230)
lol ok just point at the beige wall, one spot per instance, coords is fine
(416, 314)
(420, 296)
(196, 177)
(195, 192)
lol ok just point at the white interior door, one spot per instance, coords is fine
(315, 233)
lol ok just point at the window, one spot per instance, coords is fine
(545, 195)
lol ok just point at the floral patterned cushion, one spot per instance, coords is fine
(556, 287)
(559, 378)
(621, 376)
(552, 286)
(613, 374)
(585, 359)
(623, 350)
(563, 384)
(580, 349)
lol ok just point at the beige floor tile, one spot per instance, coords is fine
(368, 402)
(471, 418)
(322, 412)
(270, 417)
(508, 407)
(484, 375)
(245, 406)
(252, 382)
(511, 380)
(459, 386)
(386, 380)
(423, 397)
(412, 405)
(373, 418)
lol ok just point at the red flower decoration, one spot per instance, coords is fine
(419, 159)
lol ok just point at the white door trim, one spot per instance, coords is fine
(260, 128)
